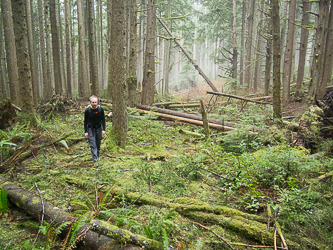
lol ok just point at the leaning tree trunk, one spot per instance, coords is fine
(303, 46)
(276, 60)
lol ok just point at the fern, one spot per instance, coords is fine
(148, 232)
(77, 226)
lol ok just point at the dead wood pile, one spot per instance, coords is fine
(59, 104)
(7, 114)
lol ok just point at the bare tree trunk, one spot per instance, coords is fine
(2, 71)
(68, 50)
(23, 63)
(92, 49)
(117, 71)
(289, 53)
(6, 12)
(34, 81)
(148, 83)
(276, 60)
(132, 79)
(269, 49)
(73, 45)
(318, 55)
(42, 49)
(248, 62)
(283, 28)
(241, 66)
(303, 45)
(49, 85)
(83, 82)
(327, 68)
(102, 44)
(167, 54)
(234, 37)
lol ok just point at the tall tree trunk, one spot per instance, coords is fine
(241, 66)
(277, 109)
(269, 49)
(327, 68)
(2, 71)
(68, 49)
(148, 83)
(23, 63)
(234, 37)
(132, 79)
(6, 11)
(92, 49)
(283, 28)
(74, 62)
(102, 44)
(49, 85)
(289, 54)
(167, 53)
(45, 80)
(248, 62)
(83, 83)
(55, 49)
(117, 70)
(318, 55)
(33, 67)
(303, 45)
(62, 50)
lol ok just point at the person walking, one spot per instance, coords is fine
(94, 127)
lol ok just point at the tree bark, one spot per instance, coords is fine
(248, 62)
(83, 83)
(234, 38)
(34, 80)
(269, 49)
(61, 47)
(117, 71)
(241, 66)
(43, 69)
(167, 53)
(318, 55)
(148, 82)
(132, 78)
(31, 203)
(2, 71)
(92, 49)
(303, 46)
(328, 57)
(55, 49)
(277, 109)
(6, 12)
(289, 54)
(68, 49)
(283, 27)
(23, 63)
(49, 85)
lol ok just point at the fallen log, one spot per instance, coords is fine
(186, 115)
(237, 97)
(124, 236)
(184, 105)
(31, 204)
(182, 131)
(211, 125)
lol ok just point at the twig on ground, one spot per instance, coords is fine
(42, 217)
(135, 200)
(109, 219)
(218, 236)
(151, 186)
(214, 173)
(123, 170)
(254, 246)
(275, 248)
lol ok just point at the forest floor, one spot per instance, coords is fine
(232, 191)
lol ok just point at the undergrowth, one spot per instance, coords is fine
(245, 169)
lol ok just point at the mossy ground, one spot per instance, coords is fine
(247, 172)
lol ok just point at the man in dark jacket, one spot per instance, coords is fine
(94, 127)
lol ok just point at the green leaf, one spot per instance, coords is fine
(63, 142)
(148, 232)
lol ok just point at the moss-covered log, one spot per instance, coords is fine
(31, 203)
(124, 236)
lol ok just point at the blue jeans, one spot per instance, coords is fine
(94, 139)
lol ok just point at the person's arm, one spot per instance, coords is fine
(86, 123)
(103, 122)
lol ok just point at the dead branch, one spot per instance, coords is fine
(42, 216)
